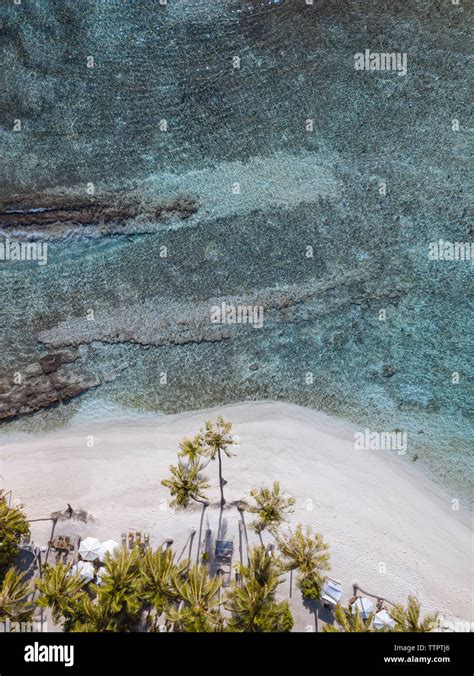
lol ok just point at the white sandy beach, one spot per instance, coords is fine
(389, 528)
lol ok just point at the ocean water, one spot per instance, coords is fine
(297, 189)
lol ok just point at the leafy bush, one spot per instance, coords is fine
(13, 527)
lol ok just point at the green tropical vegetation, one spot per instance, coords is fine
(13, 528)
(307, 553)
(270, 508)
(61, 592)
(15, 603)
(217, 441)
(186, 483)
(252, 599)
(408, 618)
(347, 621)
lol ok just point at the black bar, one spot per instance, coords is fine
(212, 653)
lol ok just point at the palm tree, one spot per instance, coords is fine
(192, 449)
(93, 617)
(306, 552)
(251, 602)
(119, 592)
(13, 527)
(199, 602)
(263, 566)
(270, 507)
(158, 570)
(217, 441)
(61, 592)
(349, 621)
(409, 618)
(14, 593)
(253, 609)
(186, 484)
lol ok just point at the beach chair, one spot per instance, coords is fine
(223, 557)
(331, 593)
(224, 551)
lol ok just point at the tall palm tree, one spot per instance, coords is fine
(252, 602)
(119, 591)
(61, 592)
(14, 602)
(347, 621)
(158, 570)
(192, 449)
(199, 602)
(409, 618)
(93, 617)
(271, 508)
(13, 527)
(263, 566)
(306, 552)
(216, 440)
(186, 484)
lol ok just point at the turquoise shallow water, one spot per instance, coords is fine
(297, 189)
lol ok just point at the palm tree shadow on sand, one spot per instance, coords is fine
(321, 612)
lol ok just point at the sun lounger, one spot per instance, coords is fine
(224, 550)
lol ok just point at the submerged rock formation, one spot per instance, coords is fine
(169, 322)
(52, 216)
(43, 384)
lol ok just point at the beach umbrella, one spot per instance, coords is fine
(382, 619)
(332, 592)
(84, 569)
(364, 606)
(89, 549)
(108, 547)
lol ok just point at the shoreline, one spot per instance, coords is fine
(377, 512)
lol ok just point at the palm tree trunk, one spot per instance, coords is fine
(241, 544)
(191, 540)
(200, 533)
(221, 480)
(50, 538)
(242, 516)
